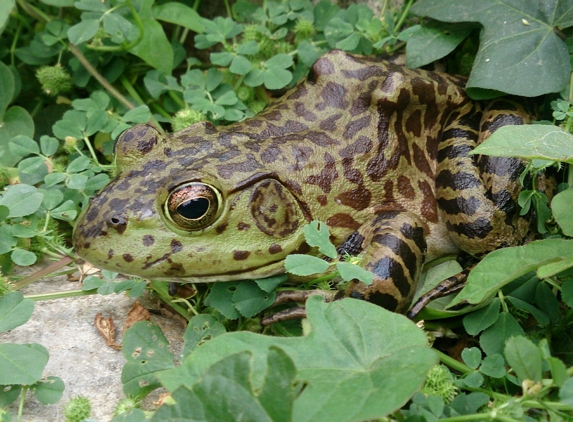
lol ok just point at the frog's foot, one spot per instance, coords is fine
(394, 247)
(301, 296)
(450, 285)
(297, 312)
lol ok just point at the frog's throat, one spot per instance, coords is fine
(265, 271)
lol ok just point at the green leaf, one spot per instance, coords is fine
(504, 265)
(147, 351)
(8, 395)
(524, 357)
(4, 213)
(531, 142)
(350, 272)
(23, 146)
(52, 198)
(22, 200)
(553, 268)
(25, 232)
(131, 415)
(91, 5)
(316, 235)
(248, 48)
(49, 145)
(91, 283)
(179, 14)
(208, 399)
(493, 366)
(558, 371)
(22, 363)
(360, 362)
(473, 380)
(567, 292)
(471, 357)
(97, 182)
(280, 61)
(7, 82)
(54, 178)
(201, 328)
(541, 317)
(546, 301)
(221, 298)
(255, 77)
(308, 52)
(477, 321)
(229, 98)
(305, 265)
(23, 257)
(154, 48)
(83, 31)
(561, 208)
(117, 26)
(249, 299)
(17, 121)
(240, 65)
(269, 284)
(492, 340)
(221, 59)
(48, 390)
(566, 392)
(7, 241)
(139, 114)
(79, 164)
(433, 41)
(14, 310)
(66, 211)
(517, 37)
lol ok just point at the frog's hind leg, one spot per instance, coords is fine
(477, 195)
(394, 248)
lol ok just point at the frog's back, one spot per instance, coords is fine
(358, 135)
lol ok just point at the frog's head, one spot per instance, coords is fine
(170, 214)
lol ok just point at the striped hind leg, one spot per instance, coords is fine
(477, 195)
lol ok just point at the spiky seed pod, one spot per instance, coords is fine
(186, 117)
(77, 409)
(54, 79)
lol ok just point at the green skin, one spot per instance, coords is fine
(376, 151)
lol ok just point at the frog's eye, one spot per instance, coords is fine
(193, 206)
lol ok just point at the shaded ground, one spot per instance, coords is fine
(78, 354)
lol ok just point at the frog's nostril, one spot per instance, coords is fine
(118, 222)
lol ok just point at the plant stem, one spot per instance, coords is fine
(228, 8)
(60, 295)
(42, 273)
(178, 100)
(21, 405)
(130, 89)
(34, 12)
(14, 43)
(454, 364)
(92, 71)
(91, 149)
(160, 287)
(403, 17)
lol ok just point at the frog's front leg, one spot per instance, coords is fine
(394, 247)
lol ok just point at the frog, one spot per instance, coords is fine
(378, 152)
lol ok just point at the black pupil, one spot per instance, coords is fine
(194, 208)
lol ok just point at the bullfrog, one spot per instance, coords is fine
(374, 150)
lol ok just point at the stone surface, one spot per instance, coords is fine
(78, 354)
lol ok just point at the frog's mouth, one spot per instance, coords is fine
(268, 269)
